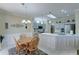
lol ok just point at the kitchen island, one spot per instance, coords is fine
(57, 44)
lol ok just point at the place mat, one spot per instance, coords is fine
(12, 51)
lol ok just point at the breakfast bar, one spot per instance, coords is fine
(54, 42)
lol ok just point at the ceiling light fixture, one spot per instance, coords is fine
(23, 21)
(41, 22)
(28, 21)
(37, 21)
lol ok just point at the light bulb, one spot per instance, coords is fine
(28, 21)
(37, 21)
(23, 21)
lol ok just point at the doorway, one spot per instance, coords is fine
(52, 29)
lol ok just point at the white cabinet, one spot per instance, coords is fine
(47, 43)
(64, 42)
(44, 42)
(51, 43)
(76, 44)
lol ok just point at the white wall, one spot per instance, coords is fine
(12, 19)
(2, 21)
(16, 20)
(77, 21)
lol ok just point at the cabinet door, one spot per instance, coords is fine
(76, 42)
(48, 42)
(70, 42)
(41, 41)
(52, 43)
(59, 43)
(45, 42)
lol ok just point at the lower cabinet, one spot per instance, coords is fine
(47, 44)
(50, 43)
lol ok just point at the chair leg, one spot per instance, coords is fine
(26, 51)
(17, 51)
(30, 52)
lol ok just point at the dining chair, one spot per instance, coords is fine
(20, 47)
(33, 45)
(23, 36)
(17, 46)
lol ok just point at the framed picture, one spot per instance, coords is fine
(6, 25)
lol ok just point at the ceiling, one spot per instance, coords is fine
(40, 9)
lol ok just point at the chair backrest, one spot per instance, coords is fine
(33, 44)
(20, 46)
(22, 36)
(36, 40)
(17, 43)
